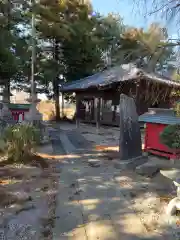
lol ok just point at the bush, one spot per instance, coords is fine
(20, 141)
(171, 136)
(177, 109)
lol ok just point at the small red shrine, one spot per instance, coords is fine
(18, 111)
(156, 119)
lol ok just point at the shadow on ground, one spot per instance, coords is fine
(97, 201)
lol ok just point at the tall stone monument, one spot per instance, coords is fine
(130, 146)
(5, 113)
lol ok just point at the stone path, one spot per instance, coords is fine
(90, 204)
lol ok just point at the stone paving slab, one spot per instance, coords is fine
(69, 219)
(78, 140)
(68, 212)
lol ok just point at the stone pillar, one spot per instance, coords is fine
(130, 145)
(97, 112)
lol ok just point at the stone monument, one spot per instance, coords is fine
(130, 146)
(5, 113)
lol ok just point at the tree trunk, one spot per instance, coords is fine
(8, 91)
(154, 60)
(8, 26)
(56, 82)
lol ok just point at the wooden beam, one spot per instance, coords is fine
(62, 105)
(137, 100)
(77, 111)
(97, 112)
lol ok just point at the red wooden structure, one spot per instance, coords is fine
(152, 143)
(18, 111)
(17, 115)
(155, 124)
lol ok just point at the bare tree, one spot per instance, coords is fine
(169, 9)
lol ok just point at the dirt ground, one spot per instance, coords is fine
(148, 196)
(28, 193)
(27, 198)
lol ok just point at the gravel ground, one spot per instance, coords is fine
(148, 196)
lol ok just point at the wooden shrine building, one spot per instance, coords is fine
(97, 96)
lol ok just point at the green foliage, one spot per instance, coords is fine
(176, 76)
(20, 141)
(13, 42)
(171, 136)
(175, 93)
(71, 42)
(177, 109)
(149, 47)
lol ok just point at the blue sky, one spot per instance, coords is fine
(130, 13)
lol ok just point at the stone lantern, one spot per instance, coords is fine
(33, 116)
(5, 113)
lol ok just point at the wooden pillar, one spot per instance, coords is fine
(137, 100)
(62, 105)
(97, 113)
(77, 111)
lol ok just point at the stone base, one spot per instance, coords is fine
(147, 170)
(131, 163)
(33, 114)
(45, 140)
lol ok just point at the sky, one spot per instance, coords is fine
(131, 14)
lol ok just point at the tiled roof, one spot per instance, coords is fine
(19, 106)
(116, 74)
(161, 116)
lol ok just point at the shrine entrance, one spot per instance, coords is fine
(87, 109)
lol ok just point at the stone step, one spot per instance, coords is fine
(78, 140)
(147, 169)
(130, 164)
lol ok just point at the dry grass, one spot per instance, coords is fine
(47, 109)
(14, 177)
(31, 188)
(32, 160)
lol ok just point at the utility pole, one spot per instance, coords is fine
(7, 84)
(33, 116)
(33, 56)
